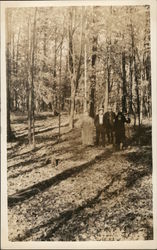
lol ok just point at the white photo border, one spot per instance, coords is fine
(148, 244)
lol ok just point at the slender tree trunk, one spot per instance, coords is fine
(141, 107)
(137, 90)
(55, 73)
(71, 69)
(93, 77)
(10, 135)
(135, 77)
(17, 51)
(31, 118)
(107, 86)
(44, 51)
(74, 72)
(106, 96)
(9, 131)
(33, 64)
(29, 110)
(85, 62)
(124, 83)
(29, 92)
(71, 123)
(130, 85)
(85, 78)
(60, 79)
(13, 54)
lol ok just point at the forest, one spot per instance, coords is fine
(73, 58)
(61, 62)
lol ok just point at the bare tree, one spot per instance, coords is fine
(74, 69)
(8, 76)
(31, 120)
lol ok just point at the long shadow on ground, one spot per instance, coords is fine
(55, 224)
(73, 227)
(65, 216)
(42, 131)
(41, 165)
(142, 135)
(24, 141)
(21, 117)
(142, 164)
(41, 186)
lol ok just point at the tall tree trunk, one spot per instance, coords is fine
(71, 122)
(71, 69)
(33, 64)
(85, 65)
(137, 89)
(29, 109)
(9, 131)
(124, 109)
(28, 86)
(106, 96)
(55, 73)
(10, 135)
(31, 118)
(141, 107)
(44, 51)
(60, 79)
(13, 54)
(93, 77)
(85, 78)
(130, 85)
(17, 51)
(74, 72)
(107, 86)
(134, 77)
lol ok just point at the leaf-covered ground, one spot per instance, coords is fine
(94, 193)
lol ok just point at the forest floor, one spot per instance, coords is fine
(94, 193)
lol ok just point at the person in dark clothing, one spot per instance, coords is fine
(100, 127)
(120, 129)
(110, 117)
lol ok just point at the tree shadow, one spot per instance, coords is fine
(20, 117)
(21, 141)
(142, 166)
(54, 138)
(141, 156)
(42, 164)
(65, 216)
(25, 162)
(69, 218)
(142, 135)
(41, 186)
(41, 132)
(141, 159)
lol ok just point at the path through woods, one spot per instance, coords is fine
(94, 193)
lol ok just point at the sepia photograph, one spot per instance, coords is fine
(79, 113)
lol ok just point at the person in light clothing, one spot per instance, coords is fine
(100, 127)
(87, 130)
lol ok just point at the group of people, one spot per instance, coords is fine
(110, 128)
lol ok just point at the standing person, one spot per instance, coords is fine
(120, 129)
(110, 117)
(100, 126)
(87, 130)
